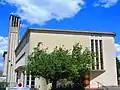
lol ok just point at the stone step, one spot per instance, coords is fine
(112, 88)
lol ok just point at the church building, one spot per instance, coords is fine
(102, 43)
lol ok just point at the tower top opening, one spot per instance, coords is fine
(14, 20)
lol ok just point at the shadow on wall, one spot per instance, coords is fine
(96, 73)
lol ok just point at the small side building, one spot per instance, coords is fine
(4, 72)
(5, 56)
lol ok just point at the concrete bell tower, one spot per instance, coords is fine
(14, 27)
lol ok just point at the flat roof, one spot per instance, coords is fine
(70, 31)
(64, 31)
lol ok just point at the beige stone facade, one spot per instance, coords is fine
(52, 38)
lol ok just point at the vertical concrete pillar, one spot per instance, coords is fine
(30, 81)
(25, 79)
(12, 44)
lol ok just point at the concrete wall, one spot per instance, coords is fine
(40, 83)
(2, 79)
(22, 52)
(109, 77)
(21, 58)
(52, 40)
(12, 44)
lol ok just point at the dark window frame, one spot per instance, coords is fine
(97, 54)
(101, 53)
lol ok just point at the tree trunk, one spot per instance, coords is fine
(54, 84)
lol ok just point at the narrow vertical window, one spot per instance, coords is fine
(92, 50)
(23, 80)
(17, 22)
(101, 54)
(12, 21)
(32, 82)
(97, 55)
(27, 82)
(17, 77)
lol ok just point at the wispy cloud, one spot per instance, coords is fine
(1, 62)
(2, 3)
(105, 3)
(23, 26)
(1, 65)
(118, 50)
(3, 44)
(41, 11)
(3, 47)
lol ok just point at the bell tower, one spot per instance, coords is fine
(14, 27)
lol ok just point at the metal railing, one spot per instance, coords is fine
(102, 86)
(11, 84)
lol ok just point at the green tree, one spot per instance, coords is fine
(59, 63)
(118, 66)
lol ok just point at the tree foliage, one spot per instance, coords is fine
(118, 66)
(59, 63)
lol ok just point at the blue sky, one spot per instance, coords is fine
(96, 15)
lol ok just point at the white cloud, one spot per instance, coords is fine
(3, 44)
(1, 65)
(2, 2)
(23, 26)
(117, 47)
(3, 47)
(1, 62)
(118, 50)
(41, 11)
(105, 3)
